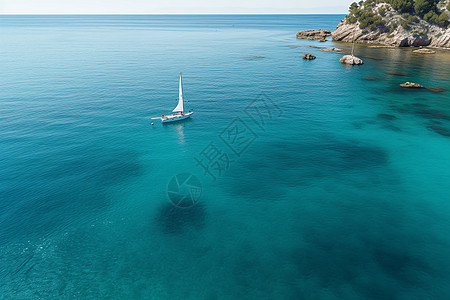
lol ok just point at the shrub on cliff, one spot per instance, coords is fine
(442, 20)
(421, 7)
(364, 14)
(392, 27)
(402, 6)
(371, 21)
(370, 18)
(382, 11)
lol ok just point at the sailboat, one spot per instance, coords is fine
(178, 112)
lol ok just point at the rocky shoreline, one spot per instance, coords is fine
(401, 38)
(381, 24)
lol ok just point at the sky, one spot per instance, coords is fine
(173, 6)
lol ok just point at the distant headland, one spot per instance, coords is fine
(400, 23)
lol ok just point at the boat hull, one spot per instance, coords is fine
(170, 119)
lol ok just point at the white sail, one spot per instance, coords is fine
(179, 107)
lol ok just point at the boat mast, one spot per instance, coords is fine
(180, 106)
(180, 92)
(353, 45)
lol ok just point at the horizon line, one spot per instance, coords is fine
(153, 14)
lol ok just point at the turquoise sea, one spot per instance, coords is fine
(306, 180)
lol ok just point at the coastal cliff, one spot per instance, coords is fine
(399, 23)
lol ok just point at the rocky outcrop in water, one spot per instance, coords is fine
(308, 56)
(411, 85)
(351, 60)
(319, 35)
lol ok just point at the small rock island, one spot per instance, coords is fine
(411, 85)
(319, 35)
(308, 56)
(351, 60)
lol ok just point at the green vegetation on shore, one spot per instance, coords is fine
(411, 12)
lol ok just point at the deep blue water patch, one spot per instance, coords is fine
(171, 219)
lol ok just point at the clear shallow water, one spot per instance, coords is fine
(342, 194)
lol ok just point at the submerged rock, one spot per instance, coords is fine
(411, 85)
(436, 89)
(440, 130)
(372, 57)
(397, 73)
(392, 127)
(381, 46)
(174, 220)
(403, 110)
(432, 114)
(254, 58)
(308, 56)
(351, 60)
(331, 50)
(320, 35)
(372, 78)
(420, 105)
(387, 117)
(424, 51)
